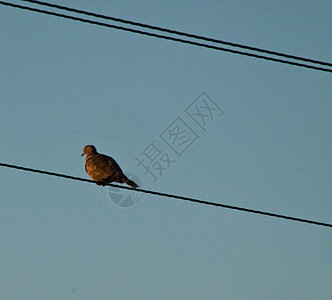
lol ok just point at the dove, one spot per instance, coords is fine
(104, 169)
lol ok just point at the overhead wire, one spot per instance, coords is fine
(182, 41)
(167, 195)
(167, 37)
(176, 32)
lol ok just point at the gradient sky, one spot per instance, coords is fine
(66, 84)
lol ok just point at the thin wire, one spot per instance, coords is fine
(199, 37)
(254, 211)
(167, 37)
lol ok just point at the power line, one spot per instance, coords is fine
(167, 37)
(190, 35)
(254, 211)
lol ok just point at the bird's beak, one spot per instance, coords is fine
(82, 154)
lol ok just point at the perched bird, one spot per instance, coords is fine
(104, 169)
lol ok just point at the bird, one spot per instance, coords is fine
(104, 169)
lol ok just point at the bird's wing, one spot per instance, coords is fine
(112, 163)
(97, 166)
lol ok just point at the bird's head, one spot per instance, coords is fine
(88, 150)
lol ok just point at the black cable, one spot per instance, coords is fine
(199, 37)
(167, 37)
(254, 211)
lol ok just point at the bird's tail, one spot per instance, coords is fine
(129, 182)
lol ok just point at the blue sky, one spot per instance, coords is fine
(65, 84)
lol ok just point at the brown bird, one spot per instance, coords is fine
(104, 169)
